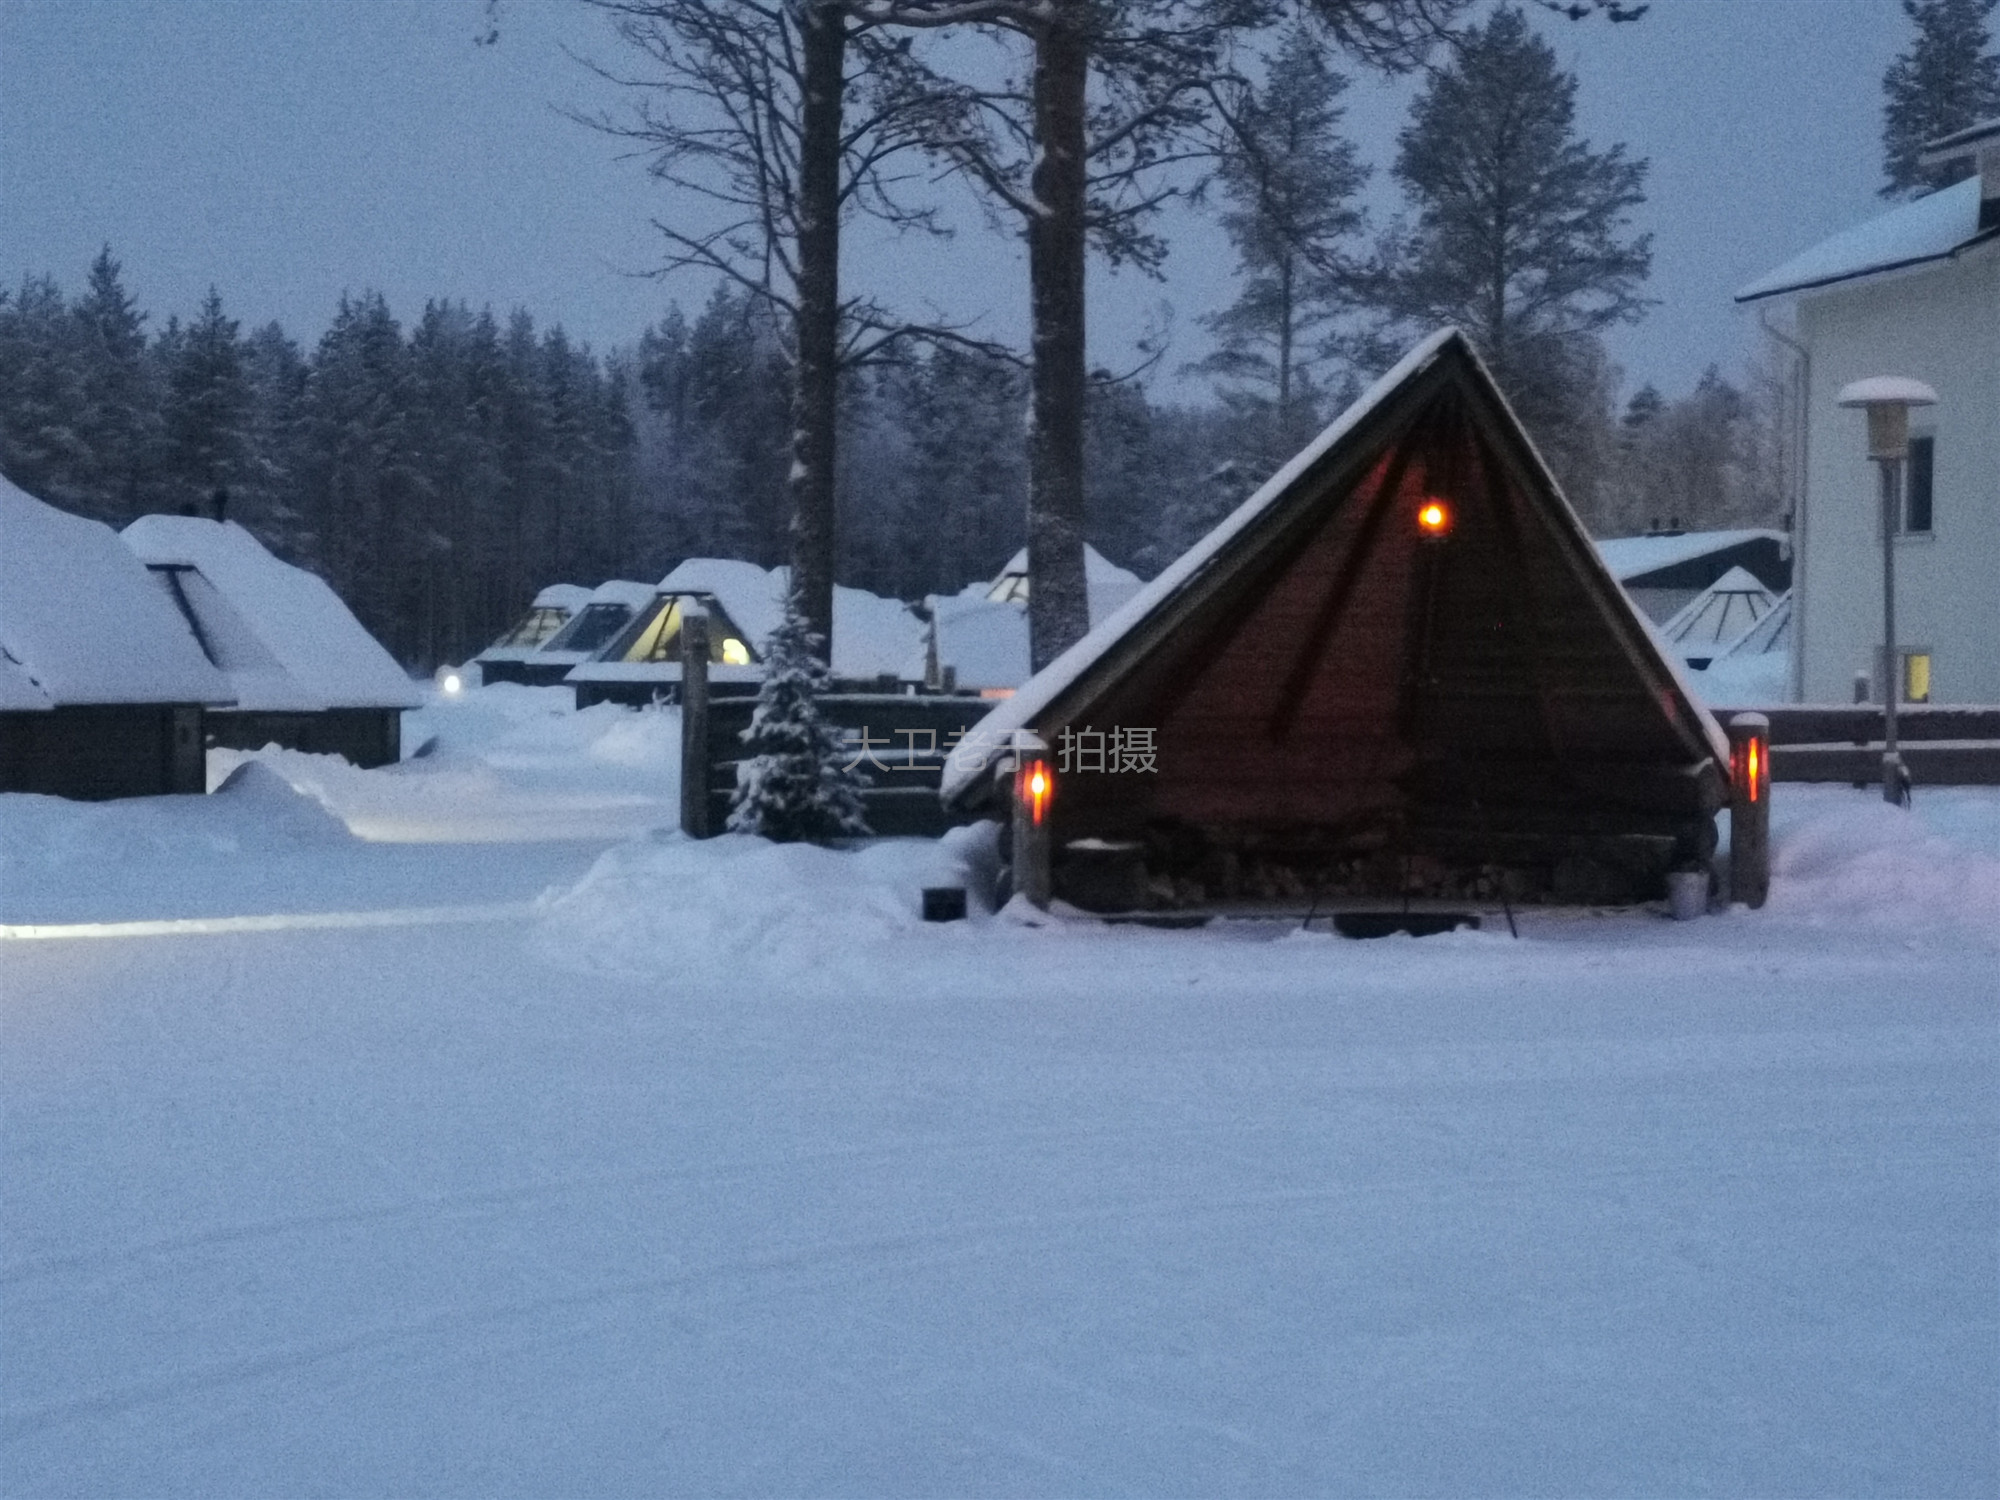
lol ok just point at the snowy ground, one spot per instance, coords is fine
(514, 1149)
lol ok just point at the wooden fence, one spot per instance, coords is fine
(898, 742)
(1943, 745)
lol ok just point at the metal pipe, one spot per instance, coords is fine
(1892, 667)
(1799, 520)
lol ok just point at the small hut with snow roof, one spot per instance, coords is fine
(1400, 669)
(606, 612)
(102, 682)
(304, 673)
(873, 637)
(551, 610)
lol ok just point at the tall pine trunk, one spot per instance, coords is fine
(1058, 599)
(816, 392)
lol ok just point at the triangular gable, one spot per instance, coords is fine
(1315, 661)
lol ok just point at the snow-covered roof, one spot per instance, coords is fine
(568, 597)
(81, 620)
(594, 625)
(1719, 615)
(1630, 557)
(282, 634)
(623, 591)
(753, 597)
(1015, 713)
(529, 633)
(1932, 228)
(1962, 142)
(872, 636)
(983, 641)
(1771, 634)
(1108, 585)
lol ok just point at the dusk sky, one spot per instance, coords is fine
(287, 152)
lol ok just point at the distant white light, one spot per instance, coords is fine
(453, 684)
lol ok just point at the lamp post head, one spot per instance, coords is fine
(1887, 399)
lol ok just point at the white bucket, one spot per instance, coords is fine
(1687, 894)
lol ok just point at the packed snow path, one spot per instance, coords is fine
(722, 1174)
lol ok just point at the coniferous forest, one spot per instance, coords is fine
(438, 464)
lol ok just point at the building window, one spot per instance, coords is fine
(1916, 677)
(1917, 485)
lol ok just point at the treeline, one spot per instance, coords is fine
(438, 474)
(435, 476)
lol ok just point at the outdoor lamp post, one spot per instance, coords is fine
(1887, 399)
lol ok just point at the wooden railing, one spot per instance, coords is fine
(1942, 744)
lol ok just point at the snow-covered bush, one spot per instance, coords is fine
(795, 784)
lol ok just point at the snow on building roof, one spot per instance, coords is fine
(1630, 557)
(551, 609)
(284, 637)
(1932, 228)
(623, 591)
(751, 596)
(81, 621)
(1108, 585)
(1046, 686)
(1719, 615)
(983, 641)
(1773, 633)
(1961, 142)
(872, 636)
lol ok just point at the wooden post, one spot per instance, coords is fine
(1034, 791)
(695, 770)
(1749, 809)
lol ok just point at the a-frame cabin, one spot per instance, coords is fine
(1398, 669)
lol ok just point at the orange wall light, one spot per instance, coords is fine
(1434, 519)
(1037, 787)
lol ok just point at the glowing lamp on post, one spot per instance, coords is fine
(1887, 400)
(1434, 519)
(1034, 790)
(1038, 784)
(1749, 809)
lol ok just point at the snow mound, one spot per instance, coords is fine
(668, 905)
(1845, 859)
(254, 811)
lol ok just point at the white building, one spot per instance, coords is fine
(1914, 292)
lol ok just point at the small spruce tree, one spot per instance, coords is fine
(795, 785)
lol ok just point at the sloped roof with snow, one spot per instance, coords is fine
(82, 622)
(1773, 633)
(1630, 557)
(623, 591)
(1720, 615)
(983, 641)
(564, 596)
(1933, 228)
(284, 637)
(1046, 687)
(872, 636)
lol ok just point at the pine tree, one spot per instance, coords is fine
(795, 784)
(119, 420)
(41, 394)
(1522, 236)
(1291, 179)
(1945, 81)
(206, 412)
